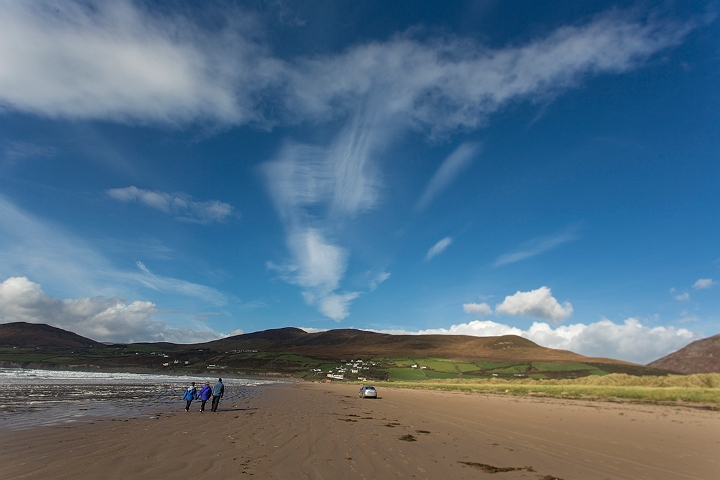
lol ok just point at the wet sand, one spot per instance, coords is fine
(323, 431)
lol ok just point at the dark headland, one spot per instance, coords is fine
(701, 356)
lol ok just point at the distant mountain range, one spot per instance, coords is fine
(296, 352)
(341, 343)
(701, 356)
(349, 343)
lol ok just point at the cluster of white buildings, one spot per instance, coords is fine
(175, 362)
(353, 366)
(216, 367)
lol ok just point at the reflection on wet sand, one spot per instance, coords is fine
(30, 398)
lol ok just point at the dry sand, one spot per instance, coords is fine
(325, 432)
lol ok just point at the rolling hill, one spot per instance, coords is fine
(39, 335)
(701, 356)
(292, 351)
(348, 343)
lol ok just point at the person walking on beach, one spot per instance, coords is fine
(217, 392)
(205, 395)
(190, 395)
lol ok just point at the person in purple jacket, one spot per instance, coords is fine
(205, 395)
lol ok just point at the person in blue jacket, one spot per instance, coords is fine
(205, 395)
(190, 395)
(218, 391)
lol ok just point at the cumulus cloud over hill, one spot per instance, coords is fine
(98, 318)
(631, 340)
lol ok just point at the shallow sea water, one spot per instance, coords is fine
(31, 398)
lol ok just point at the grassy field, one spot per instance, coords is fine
(434, 375)
(445, 368)
(292, 357)
(407, 374)
(699, 388)
(145, 358)
(561, 366)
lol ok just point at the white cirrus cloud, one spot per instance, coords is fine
(536, 246)
(704, 283)
(435, 86)
(128, 62)
(631, 341)
(120, 61)
(536, 303)
(312, 188)
(100, 318)
(379, 278)
(176, 286)
(317, 267)
(143, 268)
(123, 61)
(32, 247)
(440, 84)
(479, 308)
(682, 297)
(183, 206)
(337, 178)
(451, 167)
(14, 152)
(336, 305)
(438, 248)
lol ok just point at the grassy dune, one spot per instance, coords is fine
(699, 388)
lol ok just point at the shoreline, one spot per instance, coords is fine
(33, 397)
(310, 430)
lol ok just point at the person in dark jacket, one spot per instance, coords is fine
(205, 395)
(189, 396)
(217, 392)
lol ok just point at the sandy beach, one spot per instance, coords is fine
(322, 431)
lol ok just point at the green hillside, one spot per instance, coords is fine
(347, 355)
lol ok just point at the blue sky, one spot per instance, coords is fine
(175, 173)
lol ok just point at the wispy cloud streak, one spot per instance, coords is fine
(14, 152)
(451, 167)
(183, 206)
(433, 86)
(310, 185)
(126, 62)
(438, 248)
(536, 246)
(40, 250)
